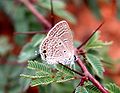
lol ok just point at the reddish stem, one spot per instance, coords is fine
(90, 77)
(90, 36)
(36, 13)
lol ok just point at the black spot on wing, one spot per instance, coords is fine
(44, 51)
(45, 56)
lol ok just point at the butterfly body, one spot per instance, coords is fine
(57, 47)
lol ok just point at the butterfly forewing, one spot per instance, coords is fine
(57, 47)
(62, 31)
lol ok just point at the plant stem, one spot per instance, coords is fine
(81, 74)
(36, 13)
(90, 77)
(90, 36)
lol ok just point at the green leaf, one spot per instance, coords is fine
(28, 52)
(41, 81)
(15, 89)
(37, 74)
(39, 67)
(42, 74)
(61, 77)
(56, 4)
(105, 57)
(59, 9)
(65, 70)
(94, 42)
(95, 8)
(113, 88)
(64, 79)
(98, 44)
(66, 15)
(31, 76)
(3, 78)
(5, 46)
(18, 16)
(94, 38)
(22, 26)
(20, 37)
(92, 89)
(14, 71)
(81, 89)
(37, 39)
(96, 64)
(25, 83)
(2, 90)
(94, 52)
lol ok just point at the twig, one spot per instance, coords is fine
(90, 77)
(52, 13)
(81, 74)
(90, 35)
(36, 13)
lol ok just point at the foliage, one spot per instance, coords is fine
(29, 50)
(9, 79)
(23, 21)
(87, 89)
(94, 43)
(4, 43)
(113, 88)
(93, 55)
(96, 65)
(37, 71)
(46, 74)
(10, 70)
(59, 9)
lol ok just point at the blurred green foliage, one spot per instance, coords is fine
(24, 21)
(5, 47)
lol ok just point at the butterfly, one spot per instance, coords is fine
(57, 47)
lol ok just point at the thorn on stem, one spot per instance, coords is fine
(90, 36)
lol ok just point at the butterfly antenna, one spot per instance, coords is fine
(91, 35)
(52, 13)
